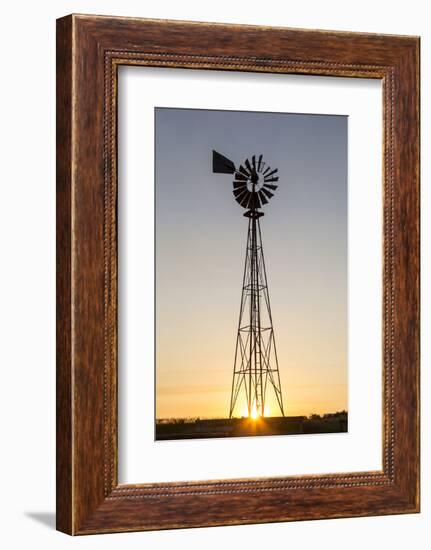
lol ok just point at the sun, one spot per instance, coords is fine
(255, 414)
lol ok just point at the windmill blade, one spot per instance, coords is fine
(240, 176)
(269, 186)
(245, 200)
(268, 168)
(268, 180)
(239, 192)
(267, 193)
(221, 164)
(244, 171)
(262, 197)
(253, 161)
(248, 166)
(259, 163)
(271, 173)
(239, 185)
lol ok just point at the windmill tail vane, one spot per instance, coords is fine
(255, 372)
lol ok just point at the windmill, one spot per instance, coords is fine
(255, 369)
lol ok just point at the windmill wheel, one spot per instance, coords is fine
(254, 183)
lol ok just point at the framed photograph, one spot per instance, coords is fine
(237, 274)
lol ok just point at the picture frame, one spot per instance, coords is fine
(89, 51)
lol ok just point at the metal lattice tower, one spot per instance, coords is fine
(256, 364)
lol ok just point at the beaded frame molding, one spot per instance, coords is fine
(89, 51)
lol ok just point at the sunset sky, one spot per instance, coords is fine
(200, 247)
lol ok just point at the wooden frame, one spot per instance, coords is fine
(89, 51)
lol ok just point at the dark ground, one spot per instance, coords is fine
(243, 427)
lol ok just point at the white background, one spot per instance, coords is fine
(27, 122)
(141, 458)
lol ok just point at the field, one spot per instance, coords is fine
(183, 428)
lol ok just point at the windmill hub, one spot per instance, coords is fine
(255, 183)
